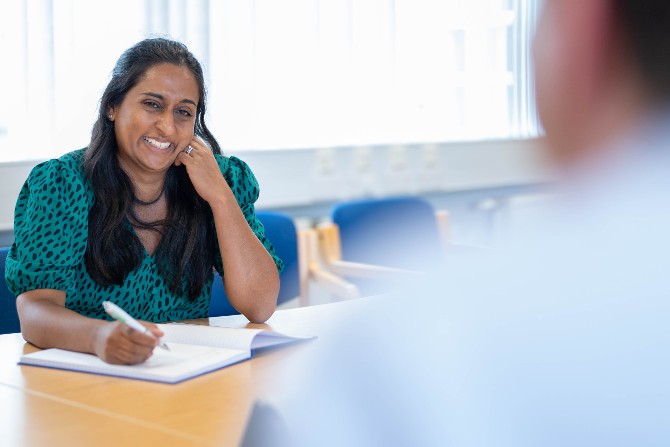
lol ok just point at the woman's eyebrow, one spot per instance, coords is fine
(162, 98)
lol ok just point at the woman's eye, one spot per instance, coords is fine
(185, 112)
(152, 104)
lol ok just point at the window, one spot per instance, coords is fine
(281, 74)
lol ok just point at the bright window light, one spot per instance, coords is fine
(281, 74)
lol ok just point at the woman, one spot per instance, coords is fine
(139, 218)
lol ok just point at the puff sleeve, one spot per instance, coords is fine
(244, 186)
(50, 228)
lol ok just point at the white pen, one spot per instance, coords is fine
(119, 314)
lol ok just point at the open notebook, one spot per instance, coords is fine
(194, 350)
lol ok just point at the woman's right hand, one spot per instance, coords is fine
(46, 323)
(120, 344)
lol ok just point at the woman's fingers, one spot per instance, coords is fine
(139, 338)
(122, 344)
(153, 328)
(202, 169)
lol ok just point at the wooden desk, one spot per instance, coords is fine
(40, 406)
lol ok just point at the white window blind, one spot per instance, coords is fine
(281, 74)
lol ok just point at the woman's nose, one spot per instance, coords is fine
(165, 123)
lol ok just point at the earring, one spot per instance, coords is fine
(111, 117)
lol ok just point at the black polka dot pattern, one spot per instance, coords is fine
(51, 232)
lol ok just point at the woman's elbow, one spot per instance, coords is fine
(258, 317)
(35, 311)
(29, 329)
(258, 303)
(264, 305)
(262, 311)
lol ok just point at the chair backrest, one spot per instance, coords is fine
(281, 231)
(9, 319)
(396, 232)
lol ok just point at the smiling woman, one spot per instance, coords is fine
(154, 122)
(140, 217)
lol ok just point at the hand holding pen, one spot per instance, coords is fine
(119, 314)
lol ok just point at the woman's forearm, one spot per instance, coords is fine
(250, 275)
(46, 323)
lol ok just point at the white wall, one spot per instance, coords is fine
(12, 176)
(306, 176)
(303, 177)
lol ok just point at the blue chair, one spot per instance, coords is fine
(281, 231)
(9, 319)
(399, 232)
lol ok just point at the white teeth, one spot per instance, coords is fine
(156, 143)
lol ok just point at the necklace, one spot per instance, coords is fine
(150, 202)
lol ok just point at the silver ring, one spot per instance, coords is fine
(189, 149)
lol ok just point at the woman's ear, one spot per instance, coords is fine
(110, 113)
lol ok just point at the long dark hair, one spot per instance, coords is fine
(644, 26)
(185, 254)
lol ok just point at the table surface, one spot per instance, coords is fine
(42, 406)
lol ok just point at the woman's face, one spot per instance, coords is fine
(156, 120)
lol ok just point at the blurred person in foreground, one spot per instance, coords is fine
(562, 339)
